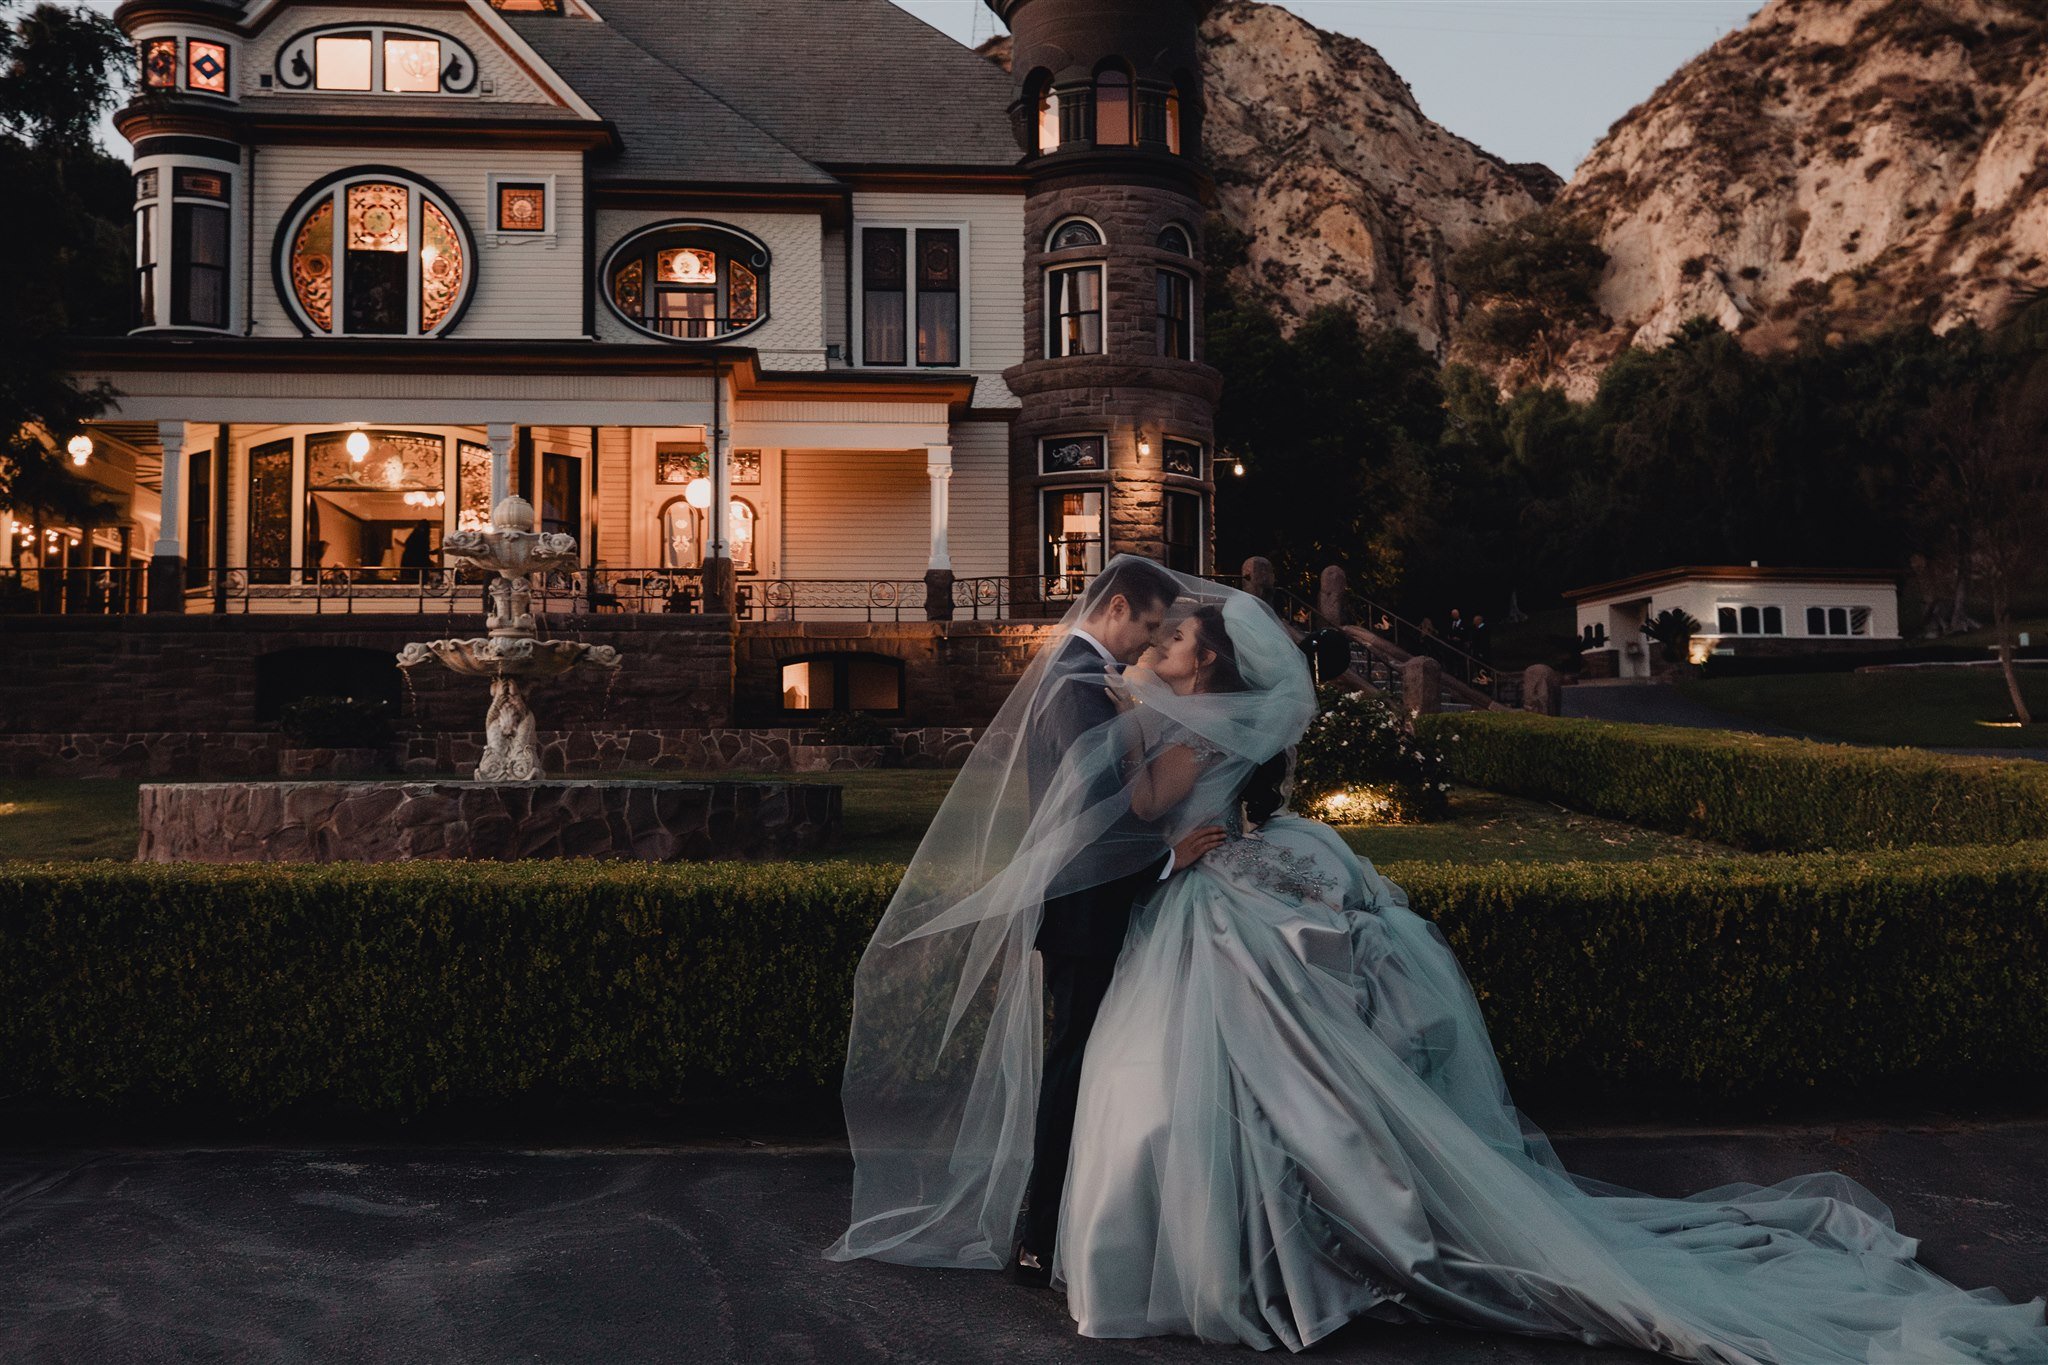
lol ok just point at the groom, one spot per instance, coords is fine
(1082, 932)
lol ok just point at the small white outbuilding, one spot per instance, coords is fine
(1740, 610)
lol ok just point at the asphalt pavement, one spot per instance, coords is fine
(710, 1252)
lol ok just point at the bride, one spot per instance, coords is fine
(1290, 1114)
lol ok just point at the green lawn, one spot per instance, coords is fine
(1930, 707)
(886, 812)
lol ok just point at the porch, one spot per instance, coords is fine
(700, 489)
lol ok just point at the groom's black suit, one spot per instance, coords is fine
(1079, 936)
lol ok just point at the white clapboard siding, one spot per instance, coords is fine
(979, 530)
(527, 290)
(834, 265)
(615, 494)
(855, 514)
(994, 247)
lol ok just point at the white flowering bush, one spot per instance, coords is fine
(1360, 763)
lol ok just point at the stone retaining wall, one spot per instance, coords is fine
(99, 681)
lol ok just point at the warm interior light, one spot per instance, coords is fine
(79, 448)
(698, 494)
(358, 446)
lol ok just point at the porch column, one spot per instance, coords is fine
(167, 556)
(500, 435)
(938, 574)
(720, 582)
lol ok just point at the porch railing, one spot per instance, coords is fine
(438, 591)
(107, 590)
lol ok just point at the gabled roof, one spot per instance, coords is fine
(1637, 584)
(839, 83)
(673, 129)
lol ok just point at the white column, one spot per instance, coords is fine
(719, 519)
(938, 466)
(500, 435)
(170, 531)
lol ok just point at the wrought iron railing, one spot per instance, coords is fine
(438, 591)
(105, 590)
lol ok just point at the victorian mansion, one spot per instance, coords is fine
(790, 305)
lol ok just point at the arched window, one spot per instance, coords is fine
(372, 252)
(681, 545)
(1043, 103)
(683, 529)
(688, 281)
(1173, 237)
(1073, 232)
(1112, 107)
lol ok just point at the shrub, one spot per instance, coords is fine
(401, 990)
(337, 723)
(1784, 795)
(1359, 762)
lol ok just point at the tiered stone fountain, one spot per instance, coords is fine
(514, 657)
(512, 809)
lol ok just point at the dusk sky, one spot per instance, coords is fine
(1528, 80)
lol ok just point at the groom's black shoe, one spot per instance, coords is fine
(1030, 1269)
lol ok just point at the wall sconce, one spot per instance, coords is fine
(1237, 468)
(1144, 448)
(79, 448)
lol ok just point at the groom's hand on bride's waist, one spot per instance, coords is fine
(1194, 844)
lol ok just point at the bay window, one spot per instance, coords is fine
(1184, 532)
(1073, 310)
(199, 265)
(1176, 315)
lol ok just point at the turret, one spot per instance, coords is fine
(1113, 450)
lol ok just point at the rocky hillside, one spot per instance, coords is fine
(1347, 192)
(1837, 166)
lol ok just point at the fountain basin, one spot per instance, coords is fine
(379, 822)
(508, 657)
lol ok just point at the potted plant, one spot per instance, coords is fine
(336, 737)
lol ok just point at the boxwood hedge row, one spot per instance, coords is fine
(1784, 795)
(401, 991)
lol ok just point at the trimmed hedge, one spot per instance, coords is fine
(1782, 795)
(398, 991)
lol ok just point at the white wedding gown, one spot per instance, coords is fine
(1291, 1117)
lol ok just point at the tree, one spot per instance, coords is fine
(1525, 282)
(62, 265)
(1986, 488)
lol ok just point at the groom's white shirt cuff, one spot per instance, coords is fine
(1110, 658)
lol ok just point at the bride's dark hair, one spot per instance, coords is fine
(1210, 636)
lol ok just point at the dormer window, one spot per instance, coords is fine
(689, 281)
(387, 58)
(372, 253)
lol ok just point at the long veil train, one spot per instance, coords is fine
(1310, 1124)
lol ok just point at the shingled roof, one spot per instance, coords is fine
(672, 128)
(835, 83)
